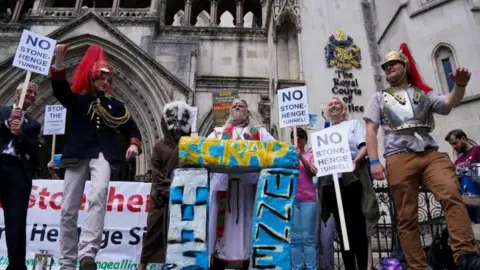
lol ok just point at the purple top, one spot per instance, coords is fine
(306, 191)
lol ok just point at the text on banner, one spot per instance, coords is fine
(34, 53)
(293, 107)
(331, 151)
(55, 120)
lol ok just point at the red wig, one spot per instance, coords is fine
(89, 69)
(414, 76)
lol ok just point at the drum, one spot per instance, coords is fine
(470, 190)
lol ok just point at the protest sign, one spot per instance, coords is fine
(34, 53)
(127, 210)
(194, 119)
(331, 153)
(54, 123)
(293, 107)
(55, 120)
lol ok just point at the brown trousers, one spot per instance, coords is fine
(405, 173)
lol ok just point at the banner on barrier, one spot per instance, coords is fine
(125, 223)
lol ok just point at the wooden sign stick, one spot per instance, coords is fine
(341, 213)
(24, 89)
(54, 141)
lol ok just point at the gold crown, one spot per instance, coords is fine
(395, 56)
(340, 35)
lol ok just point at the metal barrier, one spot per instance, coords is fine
(385, 241)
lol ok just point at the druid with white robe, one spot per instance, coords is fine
(232, 196)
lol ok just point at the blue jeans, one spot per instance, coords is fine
(326, 233)
(304, 236)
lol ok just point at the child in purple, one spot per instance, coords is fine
(304, 241)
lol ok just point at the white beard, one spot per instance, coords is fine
(239, 116)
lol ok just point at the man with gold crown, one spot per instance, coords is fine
(89, 151)
(232, 196)
(405, 112)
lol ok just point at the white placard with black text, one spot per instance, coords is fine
(55, 120)
(34, 53)
(293, 107)
(331, 151)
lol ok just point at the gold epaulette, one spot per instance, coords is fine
(111, 121)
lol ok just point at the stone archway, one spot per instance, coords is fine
(135, 83)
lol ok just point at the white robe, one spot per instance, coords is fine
(236, 241)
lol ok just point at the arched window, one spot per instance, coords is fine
(60, 3)
(445, 64)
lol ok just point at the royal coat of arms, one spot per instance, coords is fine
(341, 52)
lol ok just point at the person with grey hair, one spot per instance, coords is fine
(230, 229)
(358, 196)
(18, 162)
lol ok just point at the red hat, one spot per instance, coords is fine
(92, 65)
(404, 56)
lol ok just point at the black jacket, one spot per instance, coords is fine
(26, 143)
(88, 134)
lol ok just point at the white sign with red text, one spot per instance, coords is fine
(125, 223)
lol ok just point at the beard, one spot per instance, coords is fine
(239, 117)
(463, 149)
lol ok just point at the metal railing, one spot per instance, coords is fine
(385, 240)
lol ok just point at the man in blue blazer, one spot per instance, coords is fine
(90, 150)
(20, 145)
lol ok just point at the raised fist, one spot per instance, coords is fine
(60, 52)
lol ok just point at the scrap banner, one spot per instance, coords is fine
(125, 223)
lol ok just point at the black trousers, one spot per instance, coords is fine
(222, 265)
(355, 221)
(15, 190)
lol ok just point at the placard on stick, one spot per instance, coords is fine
(34, 53)
(293, 107)
(331, 153)
(55, 120)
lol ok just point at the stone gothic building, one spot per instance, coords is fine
(164, 50)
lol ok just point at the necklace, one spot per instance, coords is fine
(238, 135)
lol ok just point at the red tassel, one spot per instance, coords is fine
(414, 76)
(90, 65)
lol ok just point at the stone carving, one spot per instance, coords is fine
(272, 222)
(286, 9)
(342, 53)
(187, 231)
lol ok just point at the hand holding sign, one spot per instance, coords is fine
(331, 152)
(60, 52)
(16, 126)
(16, 114)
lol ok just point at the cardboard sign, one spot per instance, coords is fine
(331, 151)
(34, 53)
(55, 120)
(293, 107)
